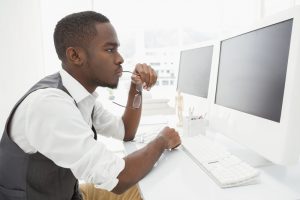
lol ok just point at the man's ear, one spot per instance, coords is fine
(75, 55)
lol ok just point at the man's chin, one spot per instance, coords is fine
(111, 86)
(108, 85)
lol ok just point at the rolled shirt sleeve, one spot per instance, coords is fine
(54, 126)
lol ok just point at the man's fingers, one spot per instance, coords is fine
(147, 75)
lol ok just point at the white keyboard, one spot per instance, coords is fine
(224, 168)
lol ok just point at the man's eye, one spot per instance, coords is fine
(110, 50)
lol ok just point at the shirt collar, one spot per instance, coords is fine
(77, 91)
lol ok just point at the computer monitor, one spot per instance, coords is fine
(257, 93)
(194, 74)
(194, 70)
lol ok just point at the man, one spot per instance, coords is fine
(50, 138)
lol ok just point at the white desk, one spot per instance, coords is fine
(176, 176)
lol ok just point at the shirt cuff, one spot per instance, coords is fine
(111, 184)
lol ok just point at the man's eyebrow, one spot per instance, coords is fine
(112, 44)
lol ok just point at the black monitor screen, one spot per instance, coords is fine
(194, 71)
(252, 71)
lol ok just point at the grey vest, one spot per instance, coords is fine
(33, 176)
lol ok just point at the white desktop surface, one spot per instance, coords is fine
(177, 176)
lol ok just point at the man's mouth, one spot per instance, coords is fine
(119, 74)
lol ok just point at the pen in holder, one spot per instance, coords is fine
(193, 126)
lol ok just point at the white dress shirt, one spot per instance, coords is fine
(49, 122)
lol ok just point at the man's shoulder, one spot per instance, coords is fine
(47, 94)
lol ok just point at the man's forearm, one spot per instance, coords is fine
(139, 163)
(131, 117)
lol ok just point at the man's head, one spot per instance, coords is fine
(77, 29)
(87, 45)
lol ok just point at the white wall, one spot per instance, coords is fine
(21, 51)
(27, 50)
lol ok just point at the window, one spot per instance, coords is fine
(157, 38)
(164, 82)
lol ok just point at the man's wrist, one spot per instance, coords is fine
(162, 142)
(136, 89)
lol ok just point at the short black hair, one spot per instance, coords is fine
(76, 29)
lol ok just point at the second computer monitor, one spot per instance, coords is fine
(194, 71)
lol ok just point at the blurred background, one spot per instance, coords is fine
(152, 32)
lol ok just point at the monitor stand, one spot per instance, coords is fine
(244, 153)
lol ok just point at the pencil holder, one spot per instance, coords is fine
(193, 126)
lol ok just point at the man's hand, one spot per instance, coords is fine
(144, 75)
(140, 162)
(171, 137)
